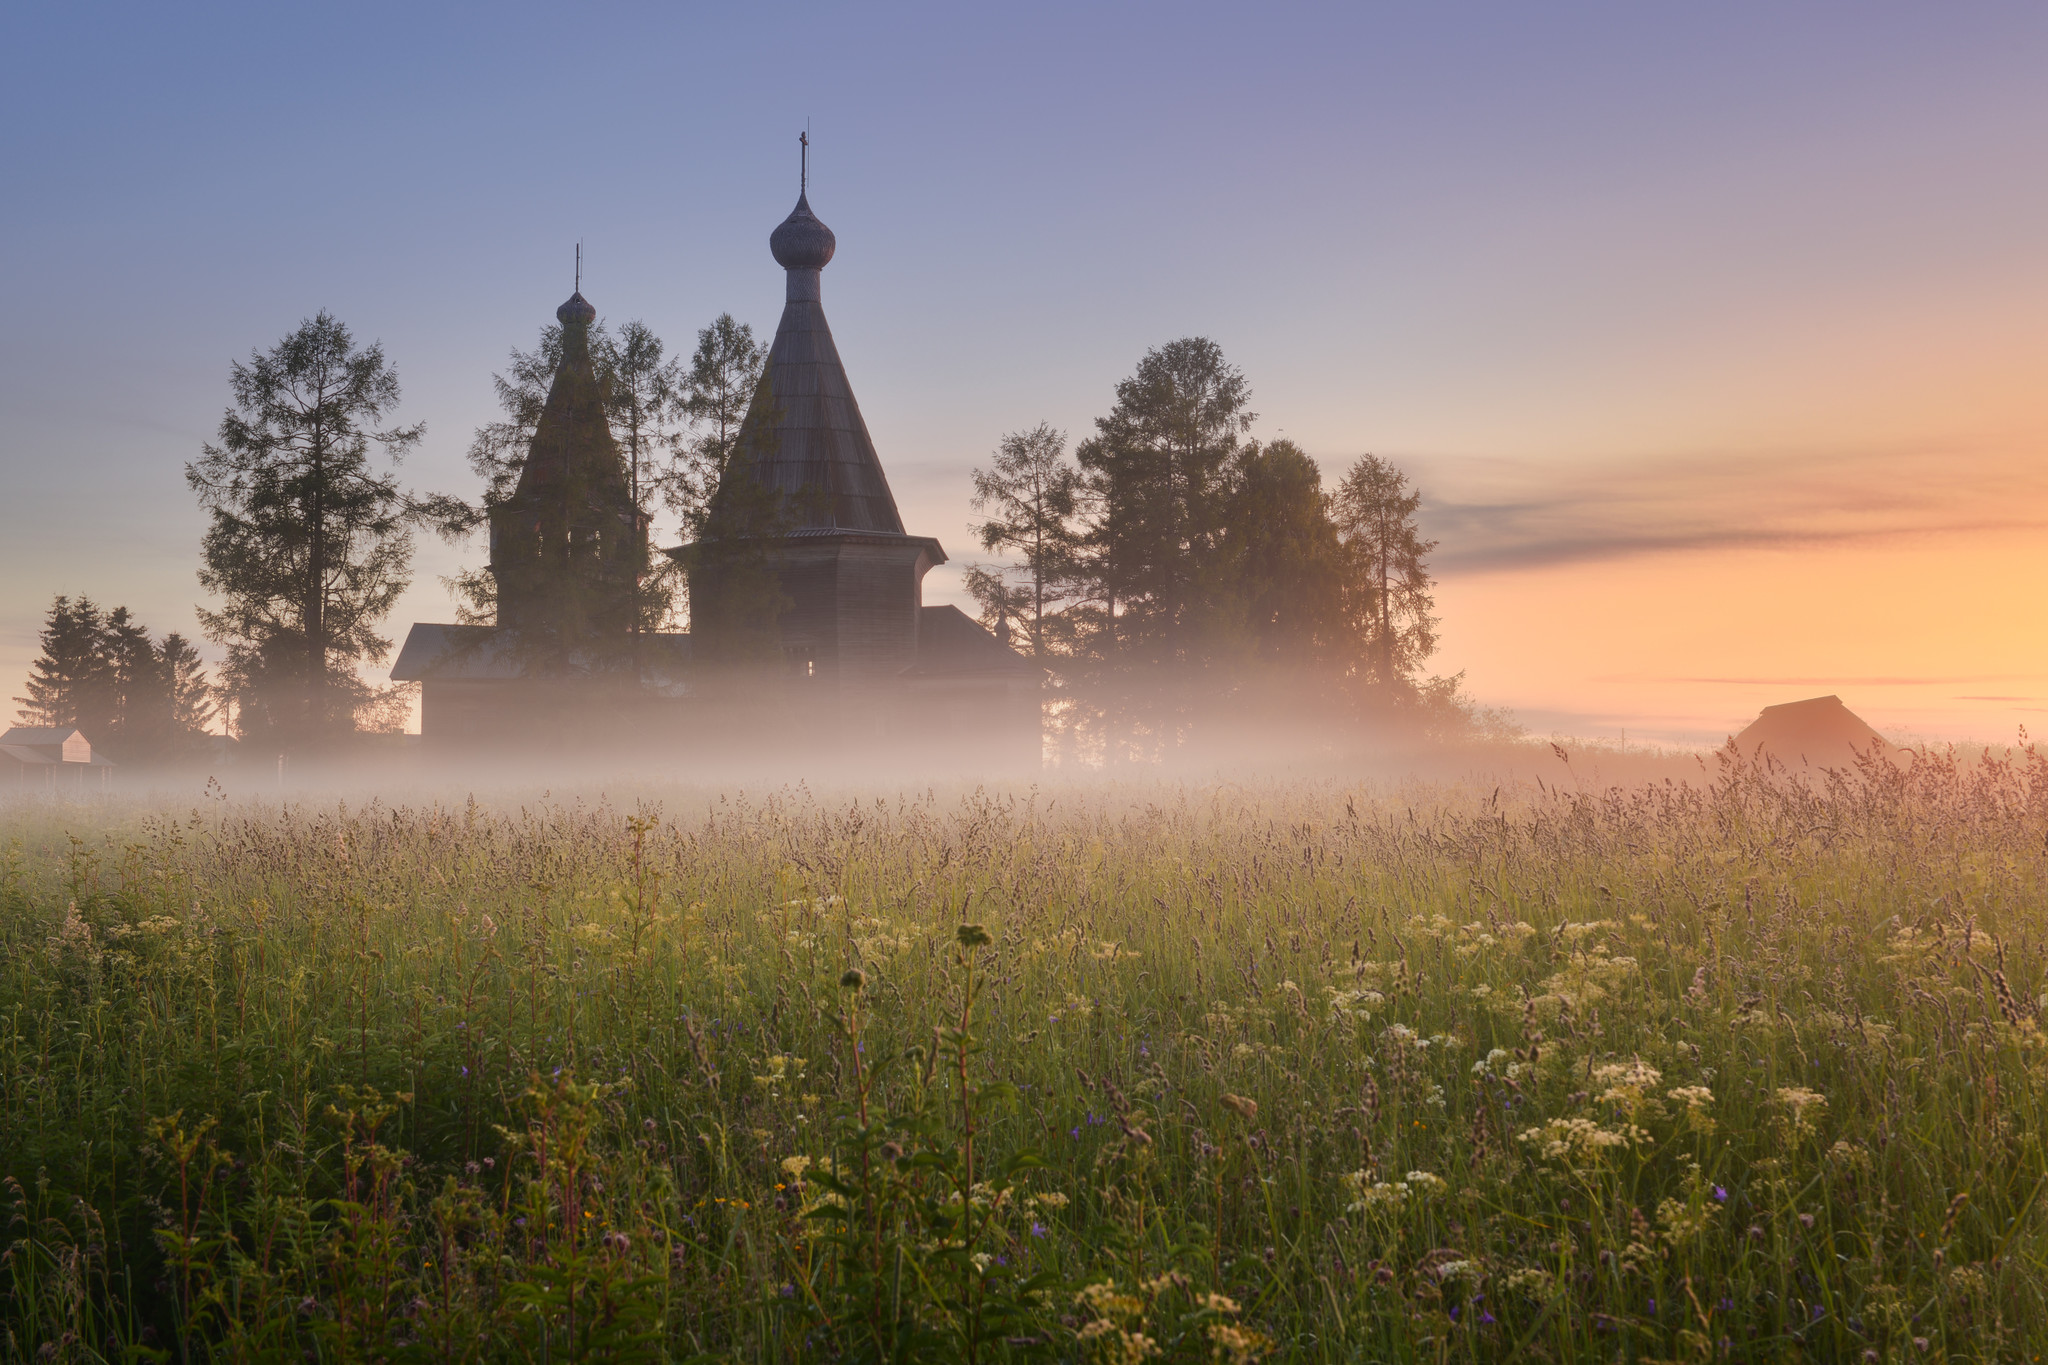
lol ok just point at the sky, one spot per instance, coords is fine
(1715, 337)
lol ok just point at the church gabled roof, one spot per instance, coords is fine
(804, 434)
(574, 459)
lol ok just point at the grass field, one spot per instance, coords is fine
(1744, 1072)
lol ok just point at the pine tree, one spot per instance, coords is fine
(736, 599)
(643, 397)
(1388, 585)
(724, 375)
(1031, 492)
(1156, 472)
(309, 545)
(1284, 563)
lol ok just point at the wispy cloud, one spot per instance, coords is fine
(1492, 513)
(1856, 682)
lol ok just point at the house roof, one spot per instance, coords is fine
(37, 734)
(804, 434)
(42, 744)
(1819, 732)
(952, 644)
(485, 653)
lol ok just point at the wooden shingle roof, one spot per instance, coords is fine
(804, 435)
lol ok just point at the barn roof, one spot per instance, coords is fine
(804, 434)
(455, 653)
(37, 734)
(1819, 732)
(952, 644)
(34, 745)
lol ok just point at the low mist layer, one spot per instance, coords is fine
(1197, 1070)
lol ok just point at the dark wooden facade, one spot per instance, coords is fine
(856, 663)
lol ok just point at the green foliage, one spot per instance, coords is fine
(1747, 1070)
(1157, 463)
(725, 372)
(1180, 579)
(1031, 493)
(308, 545)
(138, 699)
(1285, 565)
(1388, 583)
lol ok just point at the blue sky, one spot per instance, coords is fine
(1580, 267)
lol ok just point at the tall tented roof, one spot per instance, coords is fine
(804, 434)
(574, 458)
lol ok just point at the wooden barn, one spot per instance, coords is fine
(811, 627)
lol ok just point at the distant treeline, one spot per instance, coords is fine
(1167, 569)
(1171, 572)
(139, 699)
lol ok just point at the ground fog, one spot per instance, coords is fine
(1749, 1068)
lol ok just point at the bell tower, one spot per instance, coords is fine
(569, 546)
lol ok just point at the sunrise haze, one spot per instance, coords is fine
(1716, 340)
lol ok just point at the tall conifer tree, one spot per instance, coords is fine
(1031, 493)
(1388, 582)
(1283, 559)
(309, 545)
(136, 698)
(1156, 470)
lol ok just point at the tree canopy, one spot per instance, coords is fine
(309, 542)
(1174, 571)
(140, 699)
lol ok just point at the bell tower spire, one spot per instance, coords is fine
(569, 545)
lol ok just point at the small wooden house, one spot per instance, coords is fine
(42, 757)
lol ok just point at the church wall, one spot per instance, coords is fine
(809, 574)
(878, 600)
(853, 613)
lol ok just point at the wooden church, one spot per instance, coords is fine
(810, 632)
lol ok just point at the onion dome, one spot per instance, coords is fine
(577, 312)
(802, 242)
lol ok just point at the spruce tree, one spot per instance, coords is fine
(71, 681)
(138, 699)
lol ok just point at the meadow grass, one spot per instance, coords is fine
(1749, 1070)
